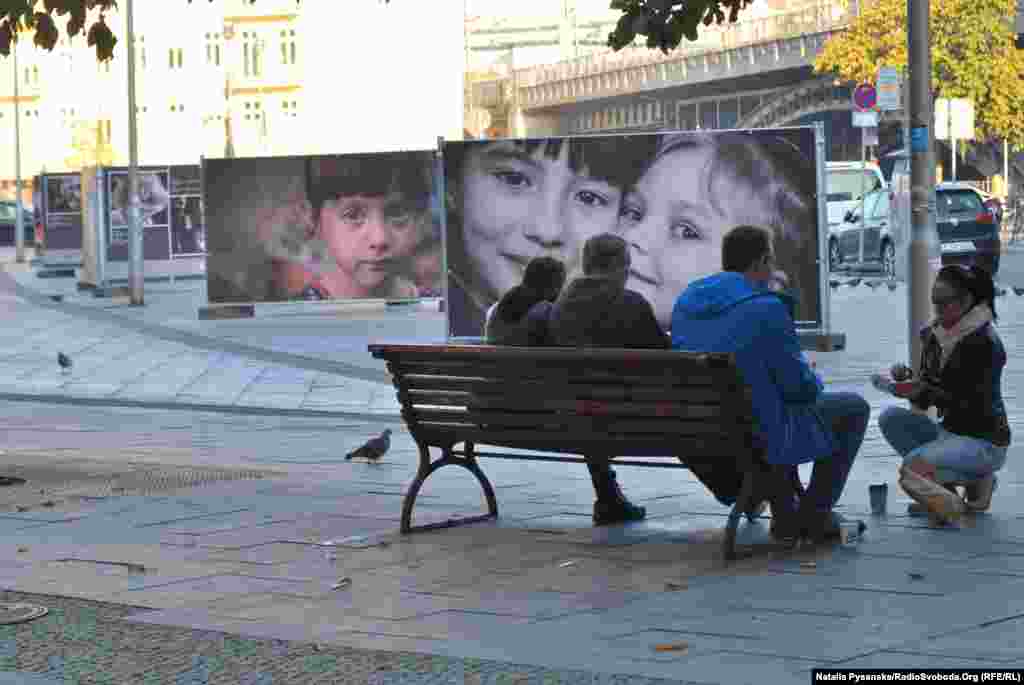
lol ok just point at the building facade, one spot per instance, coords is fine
(276, 77)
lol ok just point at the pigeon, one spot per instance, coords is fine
(853, 283)
(63, 361)
(374, 448)
(1000, 292)
(892, 285)
(1018, 291)
(873, 284)
(833, 284)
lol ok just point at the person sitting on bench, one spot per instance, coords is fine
(741, 311)
(596, 310)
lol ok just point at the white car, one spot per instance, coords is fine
(845, 184)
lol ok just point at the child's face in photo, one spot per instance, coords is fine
(369, 236)
(518, 206)
(675, 228)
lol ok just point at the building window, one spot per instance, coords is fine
(252, 54)
(288, 47)
(290, 108)
(213, 49)
(175, 58)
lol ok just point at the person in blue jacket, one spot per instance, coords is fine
(741, 311)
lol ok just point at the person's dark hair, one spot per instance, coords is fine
(972, 280)
(373, 175)
(542, 281)
(743, 246)
(605, 253)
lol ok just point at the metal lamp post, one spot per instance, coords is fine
(924, 241)
(19, 219)
(135, 274)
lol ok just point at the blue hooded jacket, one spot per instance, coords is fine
(725, 313)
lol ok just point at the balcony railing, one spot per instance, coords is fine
(815, 17)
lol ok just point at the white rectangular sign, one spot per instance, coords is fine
(867, 119)
(954, 116)
(961, 119)
(888, 87)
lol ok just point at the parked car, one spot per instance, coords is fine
(865, 240)
(8, 213)
(877, 241)
(968, 227)
(845, 182)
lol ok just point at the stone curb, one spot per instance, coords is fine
(374, 417)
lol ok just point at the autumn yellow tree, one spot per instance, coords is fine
(973, 57)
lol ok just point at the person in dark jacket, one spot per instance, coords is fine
(961, 375)
(521, 316)
(741, 311)
(596, 310)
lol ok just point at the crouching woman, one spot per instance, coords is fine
(961, 372)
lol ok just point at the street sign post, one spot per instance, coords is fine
(865, 119)
(865, 97)
(954, 120)
(889, 89)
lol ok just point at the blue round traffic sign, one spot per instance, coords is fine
(865, 97)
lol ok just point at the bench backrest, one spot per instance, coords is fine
(590, 401)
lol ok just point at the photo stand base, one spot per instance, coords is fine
(228, 311)
(818, 341)
(112, 291)
(51, 272)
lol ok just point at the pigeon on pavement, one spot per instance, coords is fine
(873, 284)
(1018, 291)
(374, 448)
(853, 283)
(63, 361)
(892, 285)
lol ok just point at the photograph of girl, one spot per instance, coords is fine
(670, 196)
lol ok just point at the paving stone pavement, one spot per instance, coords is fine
(236, 579)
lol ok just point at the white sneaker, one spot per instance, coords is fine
(979, 493)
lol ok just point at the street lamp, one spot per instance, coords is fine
(19, 220)
(135, 274)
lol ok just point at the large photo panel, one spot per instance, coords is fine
(337, 227)
(672, 196)
(154, 205)
(62, 211)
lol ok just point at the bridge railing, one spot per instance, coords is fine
(814, 17)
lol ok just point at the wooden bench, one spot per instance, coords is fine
(570, 401)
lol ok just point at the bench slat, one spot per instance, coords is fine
(548, 422)
(668, 377)
(633, 445)
(592, 356)
(583, 390)
(422, 401)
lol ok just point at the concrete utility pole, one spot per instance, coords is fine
(19, 220)
(135, 273)
(924, 258)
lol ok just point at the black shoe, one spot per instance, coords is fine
(785, 529)
(617, 511)
(611, 505)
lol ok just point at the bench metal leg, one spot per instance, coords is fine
(428, 467)
(744, 503)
